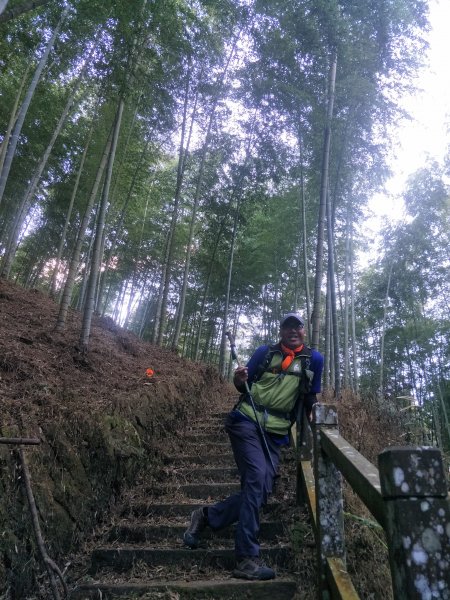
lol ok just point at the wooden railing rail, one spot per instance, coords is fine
(360, 473)
(20, 441)
(52, 568)
(407, 495)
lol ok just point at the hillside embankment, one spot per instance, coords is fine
(102, 422)
(99, 417)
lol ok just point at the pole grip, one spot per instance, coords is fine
(230, 337)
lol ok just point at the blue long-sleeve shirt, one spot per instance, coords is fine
(316, 366)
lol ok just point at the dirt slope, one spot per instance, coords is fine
(99, 418)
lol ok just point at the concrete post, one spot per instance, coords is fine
(329, 505)
(414, 488)
(304, 452)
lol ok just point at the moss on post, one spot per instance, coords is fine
(329, 504)
(414, 488)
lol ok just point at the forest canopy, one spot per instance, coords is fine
(188, 167)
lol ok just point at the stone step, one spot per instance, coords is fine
(220, 589)
(206, 437)
(209, 420)
(269, 530)
(223, 414)
(164, 509)
(196, 490)
(224, 458)
(210, 490)
(214, 473)
(144, 556)
(205, 448)
(207, 424)
(175, 476)
(124, 558)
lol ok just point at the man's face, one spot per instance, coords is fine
(292, 334)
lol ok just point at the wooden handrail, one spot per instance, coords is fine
(20, 441)
(360, 473)
(408, 496)
(340, 582)
(52, 568)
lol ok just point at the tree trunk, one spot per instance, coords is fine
(132, 295)
(332, 291)
(228, 290)
(304, 235)
(74, 263)
(25, 105)
(11, 246)
(205, 292)
(353, 317)
(327, 353)
(436, 417)
(205, 149)
(346, 351)
(383, 333)
(87, 265)
(16, 11)
(159, 301)
(105, 304)
(118, 229)
(119, 301)
(145, 316)
(322, 206)
(182, 299)
(12, 119)
(124, 153)
(62, 242)
(96, 258)
(160, 320)
(444, 411)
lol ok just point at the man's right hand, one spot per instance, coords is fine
(240, 376)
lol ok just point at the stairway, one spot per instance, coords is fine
(143, 556)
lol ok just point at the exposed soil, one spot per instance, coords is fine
(100, 419)
(39, 367)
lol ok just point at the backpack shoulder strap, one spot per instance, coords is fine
(305, 357)
(305, 381)
(264, 365)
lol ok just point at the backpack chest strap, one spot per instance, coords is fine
(264, 409)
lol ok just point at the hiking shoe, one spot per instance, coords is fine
(191, 536)
(252, 567)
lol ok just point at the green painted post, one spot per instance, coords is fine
(414, 489)
(329, 505)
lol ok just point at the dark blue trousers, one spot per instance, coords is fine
(257, 477)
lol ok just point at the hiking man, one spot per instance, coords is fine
(280, 377)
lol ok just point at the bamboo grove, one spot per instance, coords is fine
(186, 167)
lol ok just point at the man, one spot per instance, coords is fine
(279, 376)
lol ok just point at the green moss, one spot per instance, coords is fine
(121, 438)
(298, 534)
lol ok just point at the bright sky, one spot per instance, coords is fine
(427, 134)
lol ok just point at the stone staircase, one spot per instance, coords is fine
(142, 555)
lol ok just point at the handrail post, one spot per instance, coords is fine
(303, 451)
(414, 488)
(329, 504)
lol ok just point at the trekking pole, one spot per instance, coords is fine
(234, 356)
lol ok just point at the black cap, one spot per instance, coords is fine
(292, 315)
